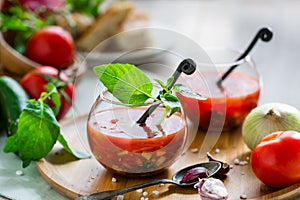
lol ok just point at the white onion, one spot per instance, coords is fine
(268, 118)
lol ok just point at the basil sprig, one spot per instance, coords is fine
(38, 130)
(131, 85)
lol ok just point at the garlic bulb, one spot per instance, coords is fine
(269, 118)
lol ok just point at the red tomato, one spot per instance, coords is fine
(276, 159)
(5, 4)
(51, 46)
(34, 84)
(35, 4)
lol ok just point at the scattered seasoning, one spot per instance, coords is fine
(145, 193)
(236, 161)
(217, 150)
(19, 173)
(156, 192)
(162, 185)
(139, 190)
(114, 180)
(243, 163)
(194, 150)
(120, 197)
(243, 196)
(247, 158)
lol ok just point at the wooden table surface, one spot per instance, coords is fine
(230, 23)
(74, 178)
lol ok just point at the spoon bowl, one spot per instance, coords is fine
(212, 166)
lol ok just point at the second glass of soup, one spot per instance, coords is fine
(227, 104)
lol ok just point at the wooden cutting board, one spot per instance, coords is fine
(73, 178)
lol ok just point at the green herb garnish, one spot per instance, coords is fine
(38, 130)
(131, 85)
(23, 24)
(88, 7)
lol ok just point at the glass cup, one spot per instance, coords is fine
(124, 147)
(227, 104)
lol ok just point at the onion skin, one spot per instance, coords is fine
(268, 118)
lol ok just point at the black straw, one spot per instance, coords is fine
(187, 66)
(265, 34)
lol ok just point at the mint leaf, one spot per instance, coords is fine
(37, 133)
(187, 92)
(171, 102)
(126, 82)
(74, 152)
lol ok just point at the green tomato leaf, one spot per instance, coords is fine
(126, 82)
(37, 133)
(187, 92)
(170, 101)
(74, 152)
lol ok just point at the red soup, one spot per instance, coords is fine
(225, 108)
(124, 147)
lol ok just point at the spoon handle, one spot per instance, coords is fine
(106, 195)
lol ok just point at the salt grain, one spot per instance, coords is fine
(243, 196)
(243, 163)
(19, 173)
(156, 192)
(139, 190)
(120, 197)
(113, 180)
(236, 161)
(217, 150)
(194, 150)
(145, 193)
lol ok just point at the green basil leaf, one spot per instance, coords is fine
(169, 81)
(38, 131)
(54, 97)
(187, 92)
(170, 101)
(126, 82)
(72, 151)
(161, 83)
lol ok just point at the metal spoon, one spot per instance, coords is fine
(212, 167)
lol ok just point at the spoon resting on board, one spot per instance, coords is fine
(212, 168)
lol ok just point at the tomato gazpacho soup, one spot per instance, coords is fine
(225, 107)
(125, 147)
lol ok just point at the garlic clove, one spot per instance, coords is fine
(211, 189)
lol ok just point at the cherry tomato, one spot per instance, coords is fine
(51, 5)
(34, 84)
(276, 159)
(51, 46)
(5, 5)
